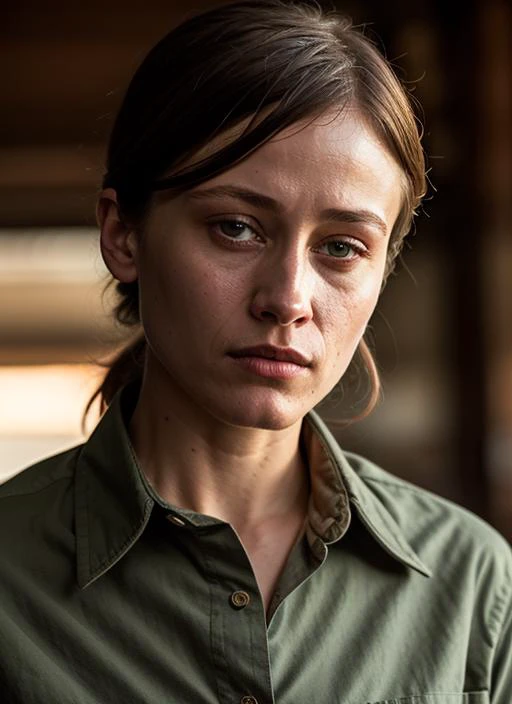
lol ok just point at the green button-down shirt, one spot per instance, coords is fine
(109, 594)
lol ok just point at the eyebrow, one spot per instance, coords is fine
(259, 200)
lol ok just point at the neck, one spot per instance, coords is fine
(244, 476)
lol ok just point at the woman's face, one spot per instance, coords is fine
(256, 286)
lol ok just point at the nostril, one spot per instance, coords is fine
(282, 311)
(268, 315)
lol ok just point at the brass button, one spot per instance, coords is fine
(239, 600)
(176, 520)
(248, 700)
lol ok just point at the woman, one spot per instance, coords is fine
(211, 542)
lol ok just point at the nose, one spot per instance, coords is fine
(283, 292)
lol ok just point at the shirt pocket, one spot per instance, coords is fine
(439, 698)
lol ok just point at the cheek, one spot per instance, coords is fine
(349, 311)
(345, 325)
(184, 298)
(161, 291)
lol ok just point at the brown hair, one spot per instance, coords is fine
(280, 62)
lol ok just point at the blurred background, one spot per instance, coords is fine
(443, 330)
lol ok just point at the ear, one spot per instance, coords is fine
(118, 240)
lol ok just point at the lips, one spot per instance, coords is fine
(279, 354)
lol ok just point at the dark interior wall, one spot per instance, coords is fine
(437, 51)
(458, 65)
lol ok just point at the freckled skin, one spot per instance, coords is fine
(201, 297)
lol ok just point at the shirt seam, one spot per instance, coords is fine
(218, 653)
(498, 611)
(31, 492)
(400, 484)
(408, 697)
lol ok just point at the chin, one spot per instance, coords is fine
(264, 422)
(263, 414)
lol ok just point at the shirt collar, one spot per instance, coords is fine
(112, 505)
(340, 488)
(114, 502)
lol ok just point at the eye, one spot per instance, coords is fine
(341, 249)
(235, 229)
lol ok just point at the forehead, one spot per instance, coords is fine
(337, 133)
(334, 140)
(333, 159)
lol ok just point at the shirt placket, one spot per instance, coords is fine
(238, 629)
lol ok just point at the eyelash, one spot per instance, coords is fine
(357, 247)
(232, 221)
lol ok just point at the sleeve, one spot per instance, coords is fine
(501, 682)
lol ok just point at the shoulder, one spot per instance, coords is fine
(469, 560)
(31, 492)
(458, 546)
(418, 511)
(42, 474)
(37, 532)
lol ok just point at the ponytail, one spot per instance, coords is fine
(128, 364)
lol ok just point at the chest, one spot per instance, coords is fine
(268, 553)
(163, 624)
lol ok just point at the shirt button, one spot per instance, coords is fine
(239, 600)
(176, 520)
(248, 700)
